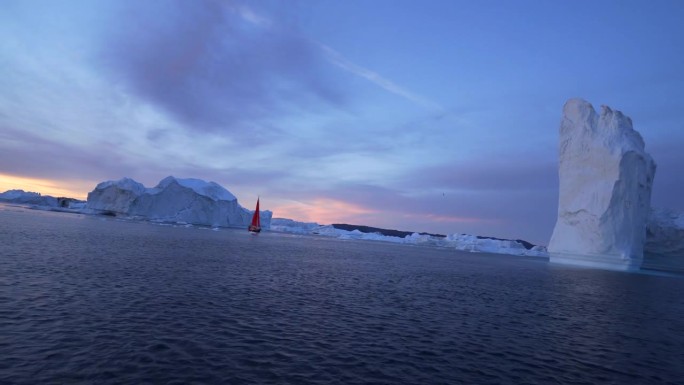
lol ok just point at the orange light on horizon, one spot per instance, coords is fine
(322, 210)
(326, 211)
(77, 188)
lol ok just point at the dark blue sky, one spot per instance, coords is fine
(437, 116)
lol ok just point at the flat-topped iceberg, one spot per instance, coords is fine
(19, 196)
(37, 200)
(173, 200)
(605, 189)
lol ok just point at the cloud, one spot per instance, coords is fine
(339, 60)
(216, 66)
(324, 211)
(510, 172)
(49, 159)
(373, 202)
(526, 214)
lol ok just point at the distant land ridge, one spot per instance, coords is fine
(403, 234)
(387, 232)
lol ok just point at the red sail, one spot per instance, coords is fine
(255, 226)
(256, 221)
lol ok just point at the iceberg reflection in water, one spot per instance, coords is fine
(95, 300)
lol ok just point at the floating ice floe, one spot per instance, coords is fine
(463, 242)
(45, 202)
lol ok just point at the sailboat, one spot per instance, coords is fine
(255, 226)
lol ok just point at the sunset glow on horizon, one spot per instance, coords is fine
(56, 188)
(321, 210)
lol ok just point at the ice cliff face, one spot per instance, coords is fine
(115, 196)
(605, 189)
(173, 200)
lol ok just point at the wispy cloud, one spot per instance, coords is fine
(214, 68)
(248, 14)
(337, 59)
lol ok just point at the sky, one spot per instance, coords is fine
(437, 116)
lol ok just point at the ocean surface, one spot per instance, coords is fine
(96, 300)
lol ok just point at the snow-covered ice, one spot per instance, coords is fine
(19, 196)
(173, 200)
(114, 196)
(605, 189)
(292, 226)
(463, 242)
(37, 200)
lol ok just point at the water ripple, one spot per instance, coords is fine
(86, 301)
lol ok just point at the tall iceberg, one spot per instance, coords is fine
(173, 200)
(605, 189)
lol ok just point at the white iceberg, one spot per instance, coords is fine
(462, 242)
(114, 197)
(19, 196)
(38, 201)
(474, 243)
(605, 189)
(292, 226)
(664, 248)
(173, 200)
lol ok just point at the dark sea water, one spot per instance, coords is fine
(89, 300)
